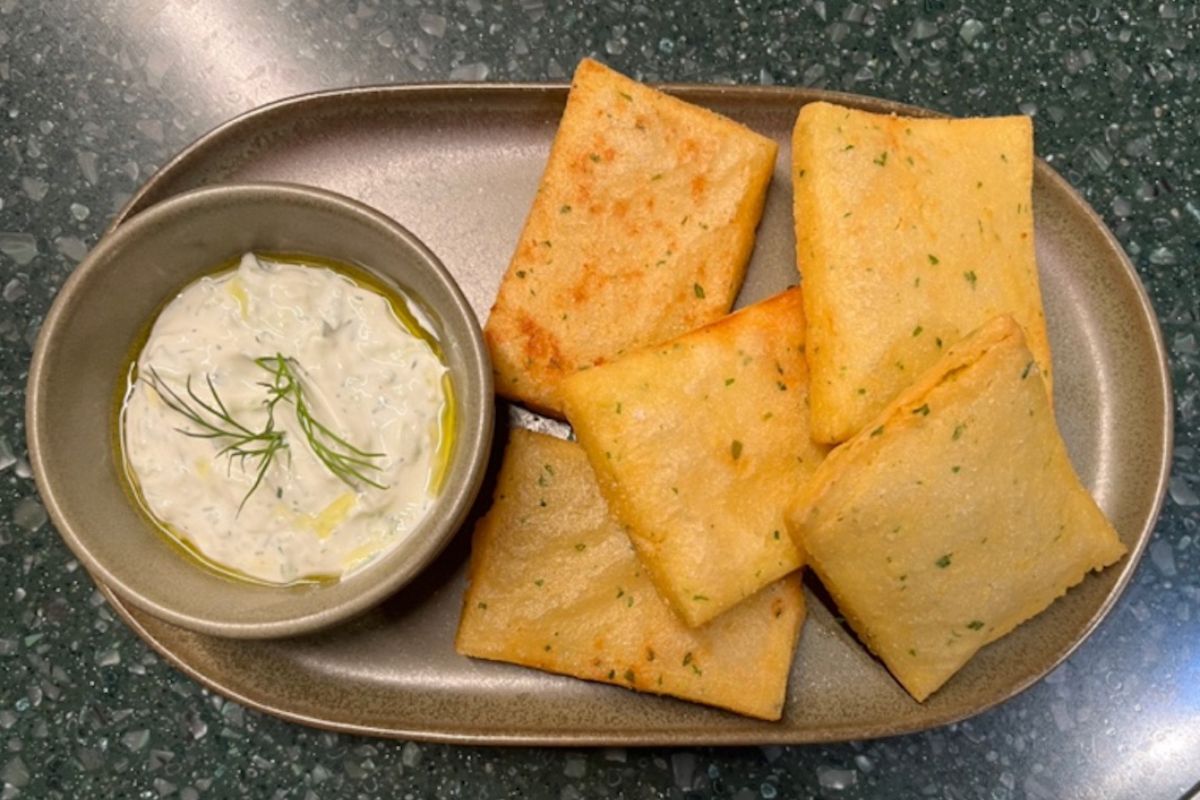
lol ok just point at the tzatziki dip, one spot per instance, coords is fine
(284, 422)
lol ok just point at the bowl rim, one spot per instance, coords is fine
(473, 436)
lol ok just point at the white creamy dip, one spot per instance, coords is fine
(362, 374)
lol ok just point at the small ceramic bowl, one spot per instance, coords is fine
(76, 377)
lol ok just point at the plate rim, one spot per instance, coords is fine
(445, 733)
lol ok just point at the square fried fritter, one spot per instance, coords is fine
(641, 230)
(955, 515)
(910, 234)
(699, 445)
(555, 585)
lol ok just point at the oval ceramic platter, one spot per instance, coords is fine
(458, 165)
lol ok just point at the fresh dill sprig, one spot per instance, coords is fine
(260, 446)
(213, 420)
(340, 457)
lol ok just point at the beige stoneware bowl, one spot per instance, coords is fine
(77, 372)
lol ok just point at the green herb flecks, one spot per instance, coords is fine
(735, 449)
(882, 159)
(698, 290)
(943, 562)
(971, 277)
(975, 624)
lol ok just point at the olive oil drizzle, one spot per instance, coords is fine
(397, 300)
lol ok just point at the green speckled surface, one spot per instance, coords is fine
(95, 94)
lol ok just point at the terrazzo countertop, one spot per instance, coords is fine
(95, 94)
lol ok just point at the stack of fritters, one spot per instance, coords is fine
(662, 551)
